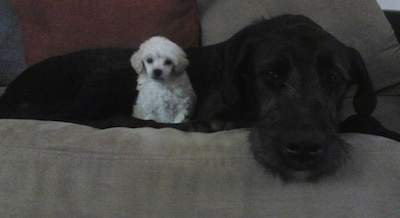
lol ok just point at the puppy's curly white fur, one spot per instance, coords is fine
(165, 92)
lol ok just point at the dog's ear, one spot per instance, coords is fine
(137, 63)
(365, 100)
(236, 53)
(182, 64)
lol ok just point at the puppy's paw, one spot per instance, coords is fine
(179, 118)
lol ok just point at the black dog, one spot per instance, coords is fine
(284, 78)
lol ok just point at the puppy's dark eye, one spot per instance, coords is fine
(168, 62)
(149, 60)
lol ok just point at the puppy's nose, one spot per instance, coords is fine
(157, 72)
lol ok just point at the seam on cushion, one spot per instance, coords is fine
(67, 155)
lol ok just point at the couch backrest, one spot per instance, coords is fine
(357, 23)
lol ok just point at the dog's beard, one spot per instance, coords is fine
(267, 151)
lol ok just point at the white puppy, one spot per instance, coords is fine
(165, 93)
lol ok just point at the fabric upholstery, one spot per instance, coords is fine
(51, 169)
(386, 111)
(52, 28)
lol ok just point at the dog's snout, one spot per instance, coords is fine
(304, 149)
(304, 152)
(157, 72)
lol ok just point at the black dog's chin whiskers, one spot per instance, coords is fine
(292, 89)
(333, 160)
(268, 149)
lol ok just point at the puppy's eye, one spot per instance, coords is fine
(149, 60)
(168, 62)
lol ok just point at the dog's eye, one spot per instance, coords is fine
(277, 70)
(272, 78)
(149, 60)
(335, 84)
(332, 78)
(168, 62)
(271, 75)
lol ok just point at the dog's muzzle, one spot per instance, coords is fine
(293, 140)
(157, 74)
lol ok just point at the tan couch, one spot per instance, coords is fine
(54, 169)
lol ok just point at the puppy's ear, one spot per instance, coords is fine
(137, 63)
(364, 101)
(183, 63)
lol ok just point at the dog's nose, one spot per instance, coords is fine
(157, 72)
(304, 152)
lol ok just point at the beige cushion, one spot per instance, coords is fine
(51, 169)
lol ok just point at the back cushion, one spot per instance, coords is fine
(357, 23)
(52, 28)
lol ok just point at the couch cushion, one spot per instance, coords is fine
(51, 169)
(358, 23)
(57, 27)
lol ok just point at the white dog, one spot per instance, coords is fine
(165, 93)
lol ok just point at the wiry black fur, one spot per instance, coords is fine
(284, 78)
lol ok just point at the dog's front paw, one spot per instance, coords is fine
(207, 127)
(218, 125)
